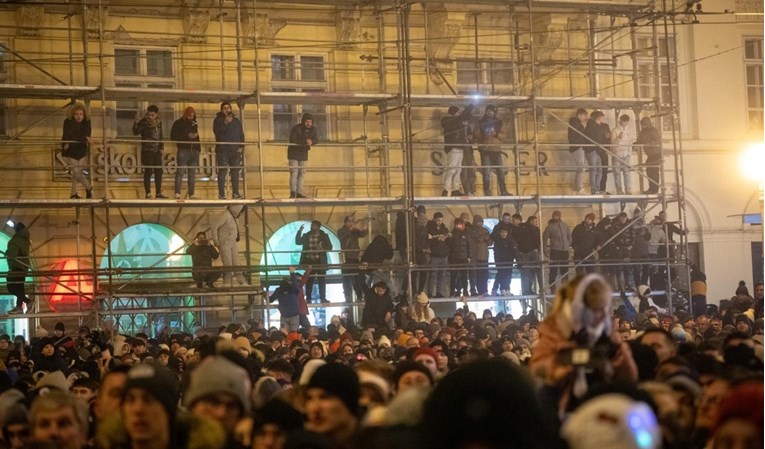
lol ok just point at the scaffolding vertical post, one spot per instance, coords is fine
(94, 263)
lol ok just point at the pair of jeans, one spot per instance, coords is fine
(187, 161)
(453, 169)
(353, 281)
(438, 282)
(604, 166)
(76, 170)
(468, 171)
(492, 163)
(527, 264)
(558, 265)
(297, 172)
(317, 276)
(459, 277)
(580, 161)
(593, 160)
(481, 277)
(228, 161)
(152, 165)
(15, 285)
(205, 275)
(653, 172)
(621, 169)
(421, 277)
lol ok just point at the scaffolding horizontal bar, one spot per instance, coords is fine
(153, 310)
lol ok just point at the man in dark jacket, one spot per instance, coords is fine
(650, 139)
(287, 293)
(578, 141)
(606, 252)
(315, 245)
(505, 250)
(438, 239)
(228, 152)
(302, 137)
(149, 127)
(623, 250)
(377, 252)
(527, 239)
(598, 132)
(459, 257)
(185, 133)
(202, 253)
(353, 278)
(378, 307)
(17, 255)
(583, 240)
(74, 148)
(456, 142)
(489, 136)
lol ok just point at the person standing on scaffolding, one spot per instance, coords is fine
(228, 152)
(150, 129)
(74, 148)
(456, 142)
(17, 256)
(302, 137)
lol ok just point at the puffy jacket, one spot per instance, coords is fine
(438, 248)
(17, 252)
(226, 228)
(558, 234)
(658, 237)
(480, 240)
(583, 239)
(459, 246)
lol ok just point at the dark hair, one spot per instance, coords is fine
(153, 108)
(438, 215)
(624, 118)
(225, 103)
(453, 109)
(657, 330)
(596, 114)
(581, 111)
(518, 216)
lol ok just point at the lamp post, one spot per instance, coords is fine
(753, 168)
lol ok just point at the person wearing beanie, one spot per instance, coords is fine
(429, 359)
(228, 152)
(742, 289)
(17, 255)
(185, 134)
(274, 421)
(332, 403)
(302, 137)
(411, 375)
(739, 418)
(150, 419)
(243, 346)
(219, 389)
(421, 311)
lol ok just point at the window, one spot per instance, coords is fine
(492, 76)
(646, 71)
(754, 82)
(298, 73)
(141, 68)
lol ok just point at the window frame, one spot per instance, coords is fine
(297, 83)
(4, 76)
(644, 60)
(487, 85)
(759, 85)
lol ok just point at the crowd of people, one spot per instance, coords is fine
(594, 373)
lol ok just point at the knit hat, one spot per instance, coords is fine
(339, 381)
(375, 380)
(309, 369)
(280, 413)
(305, 117)
(243, 343)
(383, 342)
(422, 298)
(406, 366)
(426, 351)
(159, 381)
(55, 379)
(59, 327)
(614, 421)
(742, 290)
(218, 375)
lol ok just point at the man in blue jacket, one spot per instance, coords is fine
(228, 152)
(287, 294)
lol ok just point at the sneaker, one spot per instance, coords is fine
(193, 197)
(578, 192)
(161, 197)
(619, 192)
(15, 311)
(300, 195)
(293, 195)
(75, 197)
(487, 193)
(457, 193)
(148, 196)
(89, 193)
(237, 196)
(177, 196)
(505, 193)
(444, 193)
(221, 197)
(324, 301)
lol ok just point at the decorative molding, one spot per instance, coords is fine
(753, 9)
(122, 37)
(262, 29)
(195, 23)
(349, 28)
(443, 33)
(551, 39)
(30, 19)
(91, 19)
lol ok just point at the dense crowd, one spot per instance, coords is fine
(593, 373)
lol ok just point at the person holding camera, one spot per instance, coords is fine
(74, 148)
(203, 252)
(152, 148)
(229, 134)
(302, 137)
(349, 235)
(185, 133)
(578, 348)
(315, 245)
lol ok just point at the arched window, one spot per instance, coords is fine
(7, 301)
(282, 251)
(147, 255)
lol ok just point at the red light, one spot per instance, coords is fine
(66, 286)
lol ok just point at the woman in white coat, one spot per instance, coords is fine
(225, 229)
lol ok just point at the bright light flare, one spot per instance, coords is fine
(753, 163)
(9, 223)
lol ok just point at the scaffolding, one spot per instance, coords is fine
(387, 68)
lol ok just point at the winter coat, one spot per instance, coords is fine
(180, 133)
(527, 237)
(378, 251)
(459, 246)
(76, 133)
(576, 135)
(227, 132)
(422, 314)
(658, 237)
(202, 255)
(558, 234)
(315, 257)
(151, 134)
(604, 233)
(456, 129)
(505, 250)
(226, 228)
(598, 133)
(480, 240)
(188, 432)
(621, 138)
(299, 135)
(583, 240)
(623, 241)
(488, 132)
(438, 248)
(375, 309)
(287, 295)
(17, 252)
(650, 138)
(641, 243)
(349, 241)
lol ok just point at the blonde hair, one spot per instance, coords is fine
(78, 107)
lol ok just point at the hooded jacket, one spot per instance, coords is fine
(18, 251)
(480, 240)
(180, 133)
(584, 239)
(226, 228)
(378, 251)
(558, 234)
